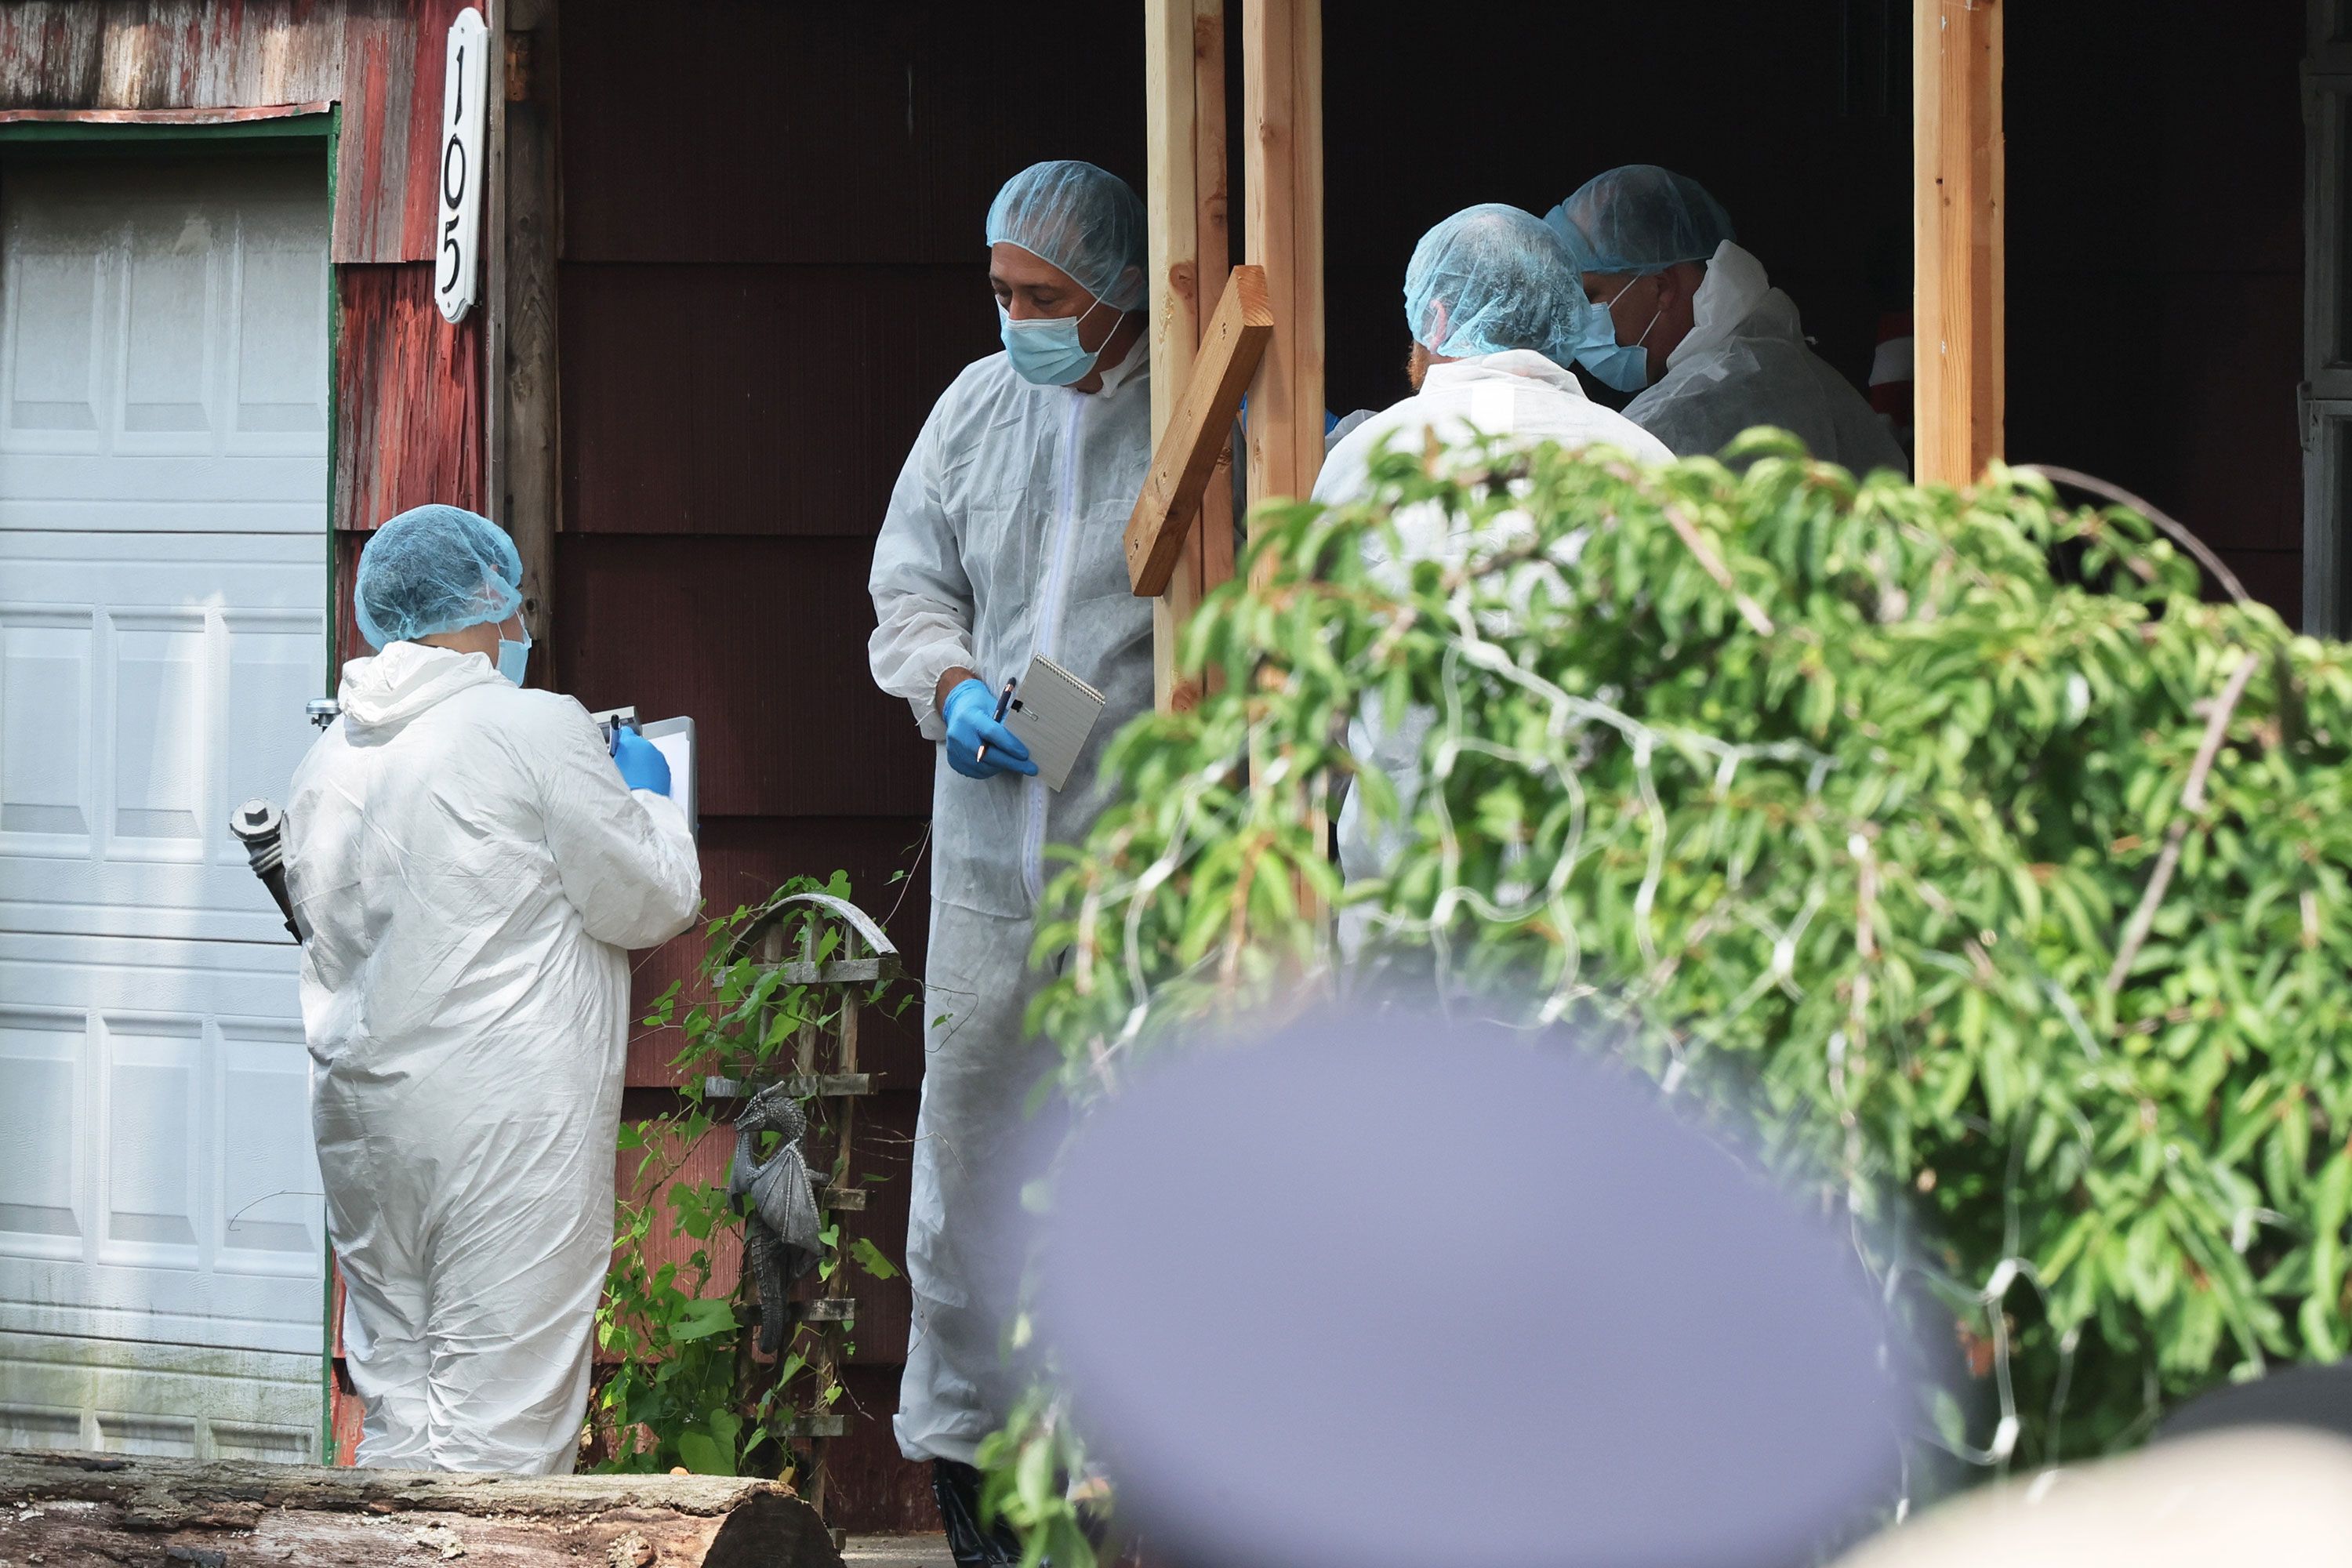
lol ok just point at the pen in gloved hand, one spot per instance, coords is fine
(1004, 700)
(641, 763)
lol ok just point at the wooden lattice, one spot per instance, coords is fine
(825, 1077)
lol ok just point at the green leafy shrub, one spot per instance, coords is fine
(2002, 900)
(682, 1385)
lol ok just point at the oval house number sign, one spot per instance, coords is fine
(465, 86)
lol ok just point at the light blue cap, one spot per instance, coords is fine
(435, 569)
(1640, 218)
(1491, 279)
(1083, 219)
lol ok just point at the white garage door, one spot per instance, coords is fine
(163, 433)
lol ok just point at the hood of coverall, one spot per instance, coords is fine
(390, 689)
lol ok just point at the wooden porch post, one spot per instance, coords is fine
(1184, 78)
(1958, 220)
(1282, 179)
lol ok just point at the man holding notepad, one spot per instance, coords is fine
(1006, 619)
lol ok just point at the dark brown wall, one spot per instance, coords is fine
(2156, 262)
(2155, 222)
(772, 264)
(1788, 113)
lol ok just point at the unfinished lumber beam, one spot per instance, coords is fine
(102, 1508)
(1959, 227)
(1188, 454)
(1282, 179)
(1184, 117)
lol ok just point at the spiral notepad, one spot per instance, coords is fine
(1053, 711)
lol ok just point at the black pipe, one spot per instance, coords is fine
(258, 826)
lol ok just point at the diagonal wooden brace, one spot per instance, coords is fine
(1230, 349)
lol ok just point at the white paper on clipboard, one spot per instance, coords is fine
(1053, 711)
(674, 739)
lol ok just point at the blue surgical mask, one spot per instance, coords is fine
(1048, 352)
(1625, 366)
(514, 656)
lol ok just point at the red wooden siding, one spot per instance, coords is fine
(392, 59)
(408, 397)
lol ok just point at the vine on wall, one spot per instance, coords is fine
(682, 1385)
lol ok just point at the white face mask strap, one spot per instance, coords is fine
(1079, 319)
(1611, 304)
(1653, 321)
(1099, 301)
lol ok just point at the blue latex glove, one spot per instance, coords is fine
(640, 761)
(970, 713)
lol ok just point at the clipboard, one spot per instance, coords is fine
(1053, 711)
(674, 739)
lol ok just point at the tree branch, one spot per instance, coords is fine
(2192, 800)
(1749, 610)
(2124, 498)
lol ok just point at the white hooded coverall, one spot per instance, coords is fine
(1744, 362)
(1519, 394)
(1004, 538)
(473, 873)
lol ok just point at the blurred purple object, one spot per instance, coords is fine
(1382, 1290)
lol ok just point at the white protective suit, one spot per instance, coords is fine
(1004, 538)
(1745, 362)
(473, 873)
(1518, 393)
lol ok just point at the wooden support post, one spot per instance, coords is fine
(1161, 532)
(1282, 183)
(1959, 221)
(526, 490)
(1282, 179)
(1185, 87)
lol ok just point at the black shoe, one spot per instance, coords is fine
(956, 1488)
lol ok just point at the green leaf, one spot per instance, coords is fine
(869, 1258)
(701, 1319)
(704, 1453)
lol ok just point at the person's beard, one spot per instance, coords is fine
(1416, 366)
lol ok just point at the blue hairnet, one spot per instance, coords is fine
(1640, 218)
(1493, 277)
(1083, 219)
(435, 569)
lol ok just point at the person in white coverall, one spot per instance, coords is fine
(1003, 540)
(1496, 310)
(1695, 328)
(472, 866)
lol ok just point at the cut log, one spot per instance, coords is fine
(105, 1508)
